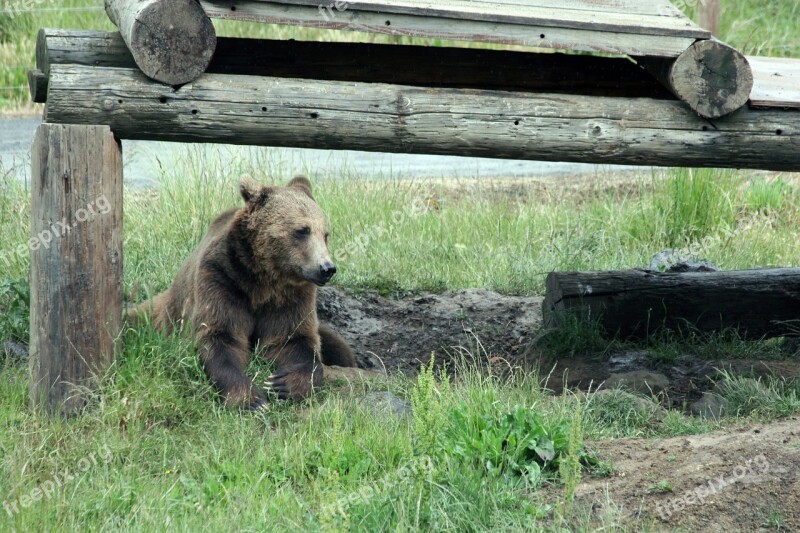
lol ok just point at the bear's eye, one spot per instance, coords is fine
(302, 232)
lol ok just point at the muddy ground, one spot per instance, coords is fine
(735, 480)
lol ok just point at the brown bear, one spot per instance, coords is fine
(251, 284)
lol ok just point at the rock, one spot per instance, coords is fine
(385, 403)
(709, 406)
(337, 375)
(640, 381)
(674, 261)
(642, 405)
(14, 350)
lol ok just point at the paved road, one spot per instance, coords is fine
(142, 159)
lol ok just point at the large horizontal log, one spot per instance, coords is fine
(172, 41)
(395, 118)
(637, 303)
(403, 65)
(711, 77)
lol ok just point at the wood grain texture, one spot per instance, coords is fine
(713, 78)
(172, 41)
(76, 261)
(394, 118)
(403, 65)
(776, 82)
(637, 303)
(647, 17)
(326, 15)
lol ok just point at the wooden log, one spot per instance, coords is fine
(709, 16)
(637, 303)
(76, 261)
(172, 41)
(394, 118)
(37, 83)
(711, 77)
(404, 65)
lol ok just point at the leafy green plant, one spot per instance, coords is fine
(518, 442)
(428, 404)
(15, 301)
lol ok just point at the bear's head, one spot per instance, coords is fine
(287, 231)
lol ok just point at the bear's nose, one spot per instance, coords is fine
(327, 269)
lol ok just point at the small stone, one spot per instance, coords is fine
(14, 350)
(709, 406)
(640, 381)
(384, 402)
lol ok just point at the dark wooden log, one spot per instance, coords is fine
(172, 41)
(376, 63)
(306, 113)
(37, 83)
(711, 77)
(76, 261)
(637, 303)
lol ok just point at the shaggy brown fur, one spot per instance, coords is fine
(252, 282)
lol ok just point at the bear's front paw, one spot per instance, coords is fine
(294, 384)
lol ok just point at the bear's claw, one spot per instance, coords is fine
(277, 385)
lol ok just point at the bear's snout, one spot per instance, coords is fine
(326, 271)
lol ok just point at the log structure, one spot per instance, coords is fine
(404, 65)
(711, 77)
(76, 262)
(637, 303)
(172, 41)
(395, 118)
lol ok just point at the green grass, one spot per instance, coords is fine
(760, 27)
(156, 449)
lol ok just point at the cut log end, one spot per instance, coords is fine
(713, 78)
(172, 41)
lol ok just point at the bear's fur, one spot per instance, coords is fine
(252, 283)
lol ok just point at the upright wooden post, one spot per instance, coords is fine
(76, 261)
(709, 16)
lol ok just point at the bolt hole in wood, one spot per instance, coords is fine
(119, 101)
(388, 22)
(264, 108)
(705, 128)
(194, 111)
(233, 8)
(541, 36)
(516, 122)
(314, 115)
(163, 99)
(778, 132)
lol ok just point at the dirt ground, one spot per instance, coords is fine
(742, 480)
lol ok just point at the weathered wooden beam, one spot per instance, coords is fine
(172, 41)
(637, 303)
(403, 65)
(540, 32)
(394, 118)
(713, 78)
(76, 261)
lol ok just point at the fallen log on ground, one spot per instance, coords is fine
(638, 303)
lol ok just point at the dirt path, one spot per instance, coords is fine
(741, 480)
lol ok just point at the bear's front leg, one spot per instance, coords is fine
(299, 369)
(224, 357)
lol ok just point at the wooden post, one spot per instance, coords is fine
(76, 261)
(172, 41)
(709, 16)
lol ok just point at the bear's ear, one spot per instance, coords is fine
(250, 189)
(302, 183)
